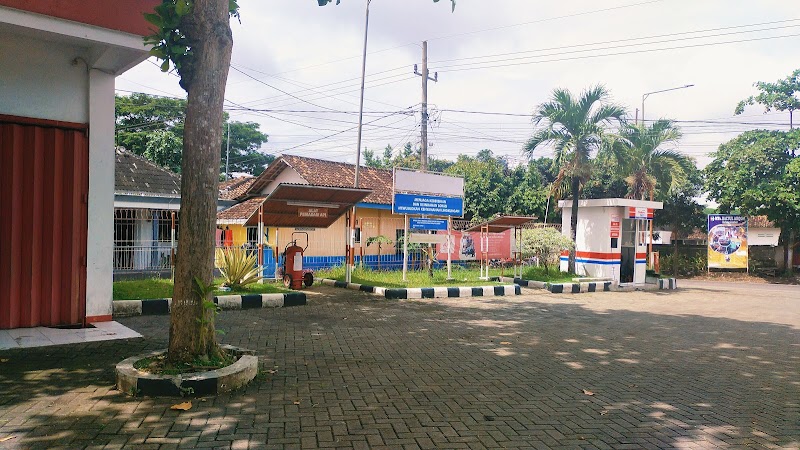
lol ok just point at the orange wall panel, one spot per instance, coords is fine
(44, 182)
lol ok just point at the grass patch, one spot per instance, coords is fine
(416, 279)
(553, 276)
(162, 288)
(158, 365)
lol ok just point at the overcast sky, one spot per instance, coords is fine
(496, 56)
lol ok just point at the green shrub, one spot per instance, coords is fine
(238, 267)
(687, 265)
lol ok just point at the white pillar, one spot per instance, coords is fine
(100, 242)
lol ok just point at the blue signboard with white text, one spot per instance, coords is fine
(428, 205)
(427, 224)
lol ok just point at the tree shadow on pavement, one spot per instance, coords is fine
(483, 373)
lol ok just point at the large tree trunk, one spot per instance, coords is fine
(192, 331)
(576, 186)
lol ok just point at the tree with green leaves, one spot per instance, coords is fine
(757, 174)
(407, 158)
(246, 140)
(152, 126)
(575, 128)
(782, 95)
(379, 240)
(195, 38)
(646, 162)
(546, 244)
(681, 213)
(486, 184)
(605, 180)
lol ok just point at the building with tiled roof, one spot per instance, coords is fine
(235, 188)
(326, 173)
(374, 212)
(139, 182)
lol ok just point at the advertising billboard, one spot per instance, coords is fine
(727, 241)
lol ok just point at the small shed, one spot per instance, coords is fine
(611, 238)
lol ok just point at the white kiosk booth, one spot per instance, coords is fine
(611, 237)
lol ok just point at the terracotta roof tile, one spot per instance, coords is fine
(339, 174)
(235, 188)
(240, 212)
(760, 222)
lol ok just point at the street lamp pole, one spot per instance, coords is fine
(644, 97)
(351, 248)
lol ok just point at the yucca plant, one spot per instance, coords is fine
(238, 267)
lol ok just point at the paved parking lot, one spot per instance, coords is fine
(709, 366)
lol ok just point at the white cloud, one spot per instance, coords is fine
(295, 41)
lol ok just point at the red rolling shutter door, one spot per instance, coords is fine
(44, 185)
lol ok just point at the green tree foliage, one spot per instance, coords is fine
(545, 244)
(485, 184)
(782, 95)
(574, 127)
(491, 187)
(757, 174)
(408, 158)
(153, 126)
(646, 162)
(682, 214)
(605, 181)
(246, 140)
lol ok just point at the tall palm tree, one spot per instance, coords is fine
(646, 161)
(574, 127)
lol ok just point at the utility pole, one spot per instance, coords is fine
(423, 157)
(228, 155)
(350, 250)
(425, 77)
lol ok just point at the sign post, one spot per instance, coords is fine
(421, 193)
(450, 247)
(405, 248)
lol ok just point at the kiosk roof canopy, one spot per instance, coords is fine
(307, 205)
(503, 223)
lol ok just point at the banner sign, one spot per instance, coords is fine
(427, 224)
(467, 246)
(428, 205)
(635, 212)
(420, 238)
(316, 213)
(615, 226)
(727, 241)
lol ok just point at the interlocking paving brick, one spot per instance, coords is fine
(702, 367)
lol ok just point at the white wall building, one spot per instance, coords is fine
(59, 63)
(611, 237)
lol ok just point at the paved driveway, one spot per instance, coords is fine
(709, 366)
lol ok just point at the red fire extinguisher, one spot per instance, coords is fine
(294, 276)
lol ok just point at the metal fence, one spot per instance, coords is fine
(143, 240)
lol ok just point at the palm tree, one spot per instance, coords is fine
(575, 128)
(646, 163)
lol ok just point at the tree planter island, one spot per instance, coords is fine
(135, 382)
